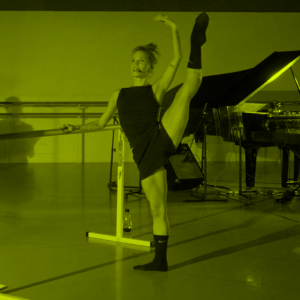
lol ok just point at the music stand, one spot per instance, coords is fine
(205, 120)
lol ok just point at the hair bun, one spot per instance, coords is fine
(151, 47)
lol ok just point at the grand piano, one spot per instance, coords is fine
(261, 125)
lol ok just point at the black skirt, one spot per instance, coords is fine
(154, 153)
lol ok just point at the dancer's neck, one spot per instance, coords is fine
(140, 82)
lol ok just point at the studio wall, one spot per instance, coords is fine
(85, 56)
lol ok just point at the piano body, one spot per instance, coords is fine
(260, 125)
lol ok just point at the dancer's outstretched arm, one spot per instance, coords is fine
(102, 122)
(165, 81)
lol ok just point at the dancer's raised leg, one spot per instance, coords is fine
(194, 69)
(198, 38)
(176, 117)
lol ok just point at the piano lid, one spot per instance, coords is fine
(256, 79)
(234, 89)
(211, 87)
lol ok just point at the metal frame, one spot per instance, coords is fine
(203, 197)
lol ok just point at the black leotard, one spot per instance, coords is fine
(150, 143)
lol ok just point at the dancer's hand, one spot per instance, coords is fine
(67, 128)
(166, 20)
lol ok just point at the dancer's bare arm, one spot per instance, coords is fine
(102, 122)
(166, 80)
(111, 109)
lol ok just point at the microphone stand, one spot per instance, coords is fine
(203, 197)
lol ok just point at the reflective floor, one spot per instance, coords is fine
(217, 250)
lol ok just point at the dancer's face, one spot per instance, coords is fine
(140, 61)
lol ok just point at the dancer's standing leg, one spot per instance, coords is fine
(154, 189)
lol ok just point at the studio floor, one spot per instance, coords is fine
(217, 250)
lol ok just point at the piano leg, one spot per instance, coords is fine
(296, 165)
(250, 157)
(296, 151)
(285, 166)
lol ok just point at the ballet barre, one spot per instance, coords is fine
(120, 185)
(120, 190)
(51, 132)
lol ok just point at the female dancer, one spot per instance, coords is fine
(152, 143)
